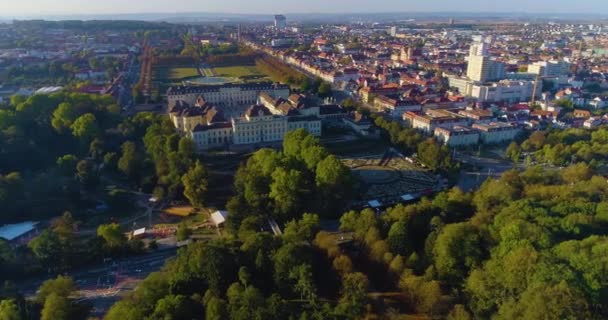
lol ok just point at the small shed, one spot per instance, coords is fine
(219, 217)
(139, 233)
(13, 232)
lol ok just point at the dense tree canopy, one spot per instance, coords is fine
(284, 185)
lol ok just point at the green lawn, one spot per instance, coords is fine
(238, 72)
(174, 73)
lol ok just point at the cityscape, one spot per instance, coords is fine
(261, 160)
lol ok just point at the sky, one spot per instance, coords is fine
(49, 7)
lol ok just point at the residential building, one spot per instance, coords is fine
(552, 68)
(396, 105)
(482, 67)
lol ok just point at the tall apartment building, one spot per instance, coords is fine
(280, 22)
(481, 66)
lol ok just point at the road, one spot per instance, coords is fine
(487, 167)
(104, 284)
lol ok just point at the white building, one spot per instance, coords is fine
(457, 136)
(505, 90)
(481, 67)
(233, 99)
(266, 122)
(553, 68)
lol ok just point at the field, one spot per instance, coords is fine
(242, 72)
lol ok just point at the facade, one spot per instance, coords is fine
(457, 136)
(265, 122)
(496, 132)
(258, 125)
(231, 98)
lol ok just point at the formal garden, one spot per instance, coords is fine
(388, 177)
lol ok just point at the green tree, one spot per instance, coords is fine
(129, 159)
(547, 302)
(85, 172)
(47, 249)
(216, 309)
(354, 295)
(304, 229)
(325, 90)
(67, 164)
(196, 185)
(186, 147)
(56, 307)
(60, 286)
(459, 313)
(85, 127)
(398, 240)
(304, 282)
(64, 116)
(9, 310)
(112, 234)
(513, 152)
(431, 154)
(183, 232)
(458, 248)
(287, 191)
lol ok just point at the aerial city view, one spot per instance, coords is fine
(303, 160)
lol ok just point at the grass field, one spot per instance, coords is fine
(238, 72)
(174, 73)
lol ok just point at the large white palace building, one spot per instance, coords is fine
(266, 120)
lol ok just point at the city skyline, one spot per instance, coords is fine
(76, 7)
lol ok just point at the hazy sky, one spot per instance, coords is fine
(42, 7)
